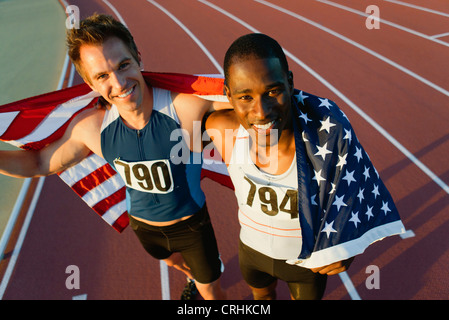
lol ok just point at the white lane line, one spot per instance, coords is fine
(119, 16)
(165, 288)
(352, 105)
(358, 45)
(440, 35)
(13, 216)
(383, 21)
(419, 8)
(21, 238)
(191, 35)
(349, 286)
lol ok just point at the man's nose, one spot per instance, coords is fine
(117, 81)
(261, 108)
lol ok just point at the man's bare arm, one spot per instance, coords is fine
(71, 148)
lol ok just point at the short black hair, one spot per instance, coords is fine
(254, 45)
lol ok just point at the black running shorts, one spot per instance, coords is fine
(259, 271)
(194, 238)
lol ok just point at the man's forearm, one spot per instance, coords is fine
(20, 164)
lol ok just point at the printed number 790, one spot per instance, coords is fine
(269, 200)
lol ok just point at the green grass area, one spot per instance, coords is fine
(32, 53)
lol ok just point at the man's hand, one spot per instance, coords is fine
(334, 268)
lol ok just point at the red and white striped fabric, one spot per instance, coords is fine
(35, 122)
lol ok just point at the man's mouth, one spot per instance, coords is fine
(127, 93)
(264, 127)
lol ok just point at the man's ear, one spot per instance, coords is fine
(290, 81)
(140, 61)
(228, 93)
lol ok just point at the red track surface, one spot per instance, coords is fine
(63, 231)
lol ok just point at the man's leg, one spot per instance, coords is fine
(211, 291)
(176, 261)
(255, 269)
(267, 293)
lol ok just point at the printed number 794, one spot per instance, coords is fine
(269, 200)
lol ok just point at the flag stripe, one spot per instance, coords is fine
(82, 169)
(118, 197)
(6, 119)
(104, 190)
(96, 177)
(24, 124)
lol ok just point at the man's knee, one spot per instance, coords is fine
(267, 293)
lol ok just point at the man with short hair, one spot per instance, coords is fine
(164, 197)
(287, 173)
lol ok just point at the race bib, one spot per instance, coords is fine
(147, 176)
(272, 199)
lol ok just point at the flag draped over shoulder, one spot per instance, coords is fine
(35, 122)
(344, 205)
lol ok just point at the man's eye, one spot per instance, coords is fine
(245, 98)
(101, 77)
(123, 65)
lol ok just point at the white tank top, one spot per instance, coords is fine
(268, 207)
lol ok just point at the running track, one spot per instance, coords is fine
(392, 83)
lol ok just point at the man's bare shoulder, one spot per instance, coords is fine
(86, 129)
(222, 119)
(90, 119)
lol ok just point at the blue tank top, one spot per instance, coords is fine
(162, 176)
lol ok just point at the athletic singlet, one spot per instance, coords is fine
(268, 207)
(162, 176)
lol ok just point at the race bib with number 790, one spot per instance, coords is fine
(148, 176)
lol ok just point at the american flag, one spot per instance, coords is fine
(33, 123)
(344, 205)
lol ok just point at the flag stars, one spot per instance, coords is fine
(334, 188)
(327, 125)
(318, 177)
(360, 195)
(369, 212)
(325, 103)
(304, 117)
(312, 200)
(358, 153)
(366, 173)
(375, 191)
(349, 177)
(323, 151)
(355, 218)
(301, 97)
(339, 202)
(348, 135)
(328, 228)
(385, 208)
(341, 161)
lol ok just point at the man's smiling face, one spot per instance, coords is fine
(111, 70)
(260, 92)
